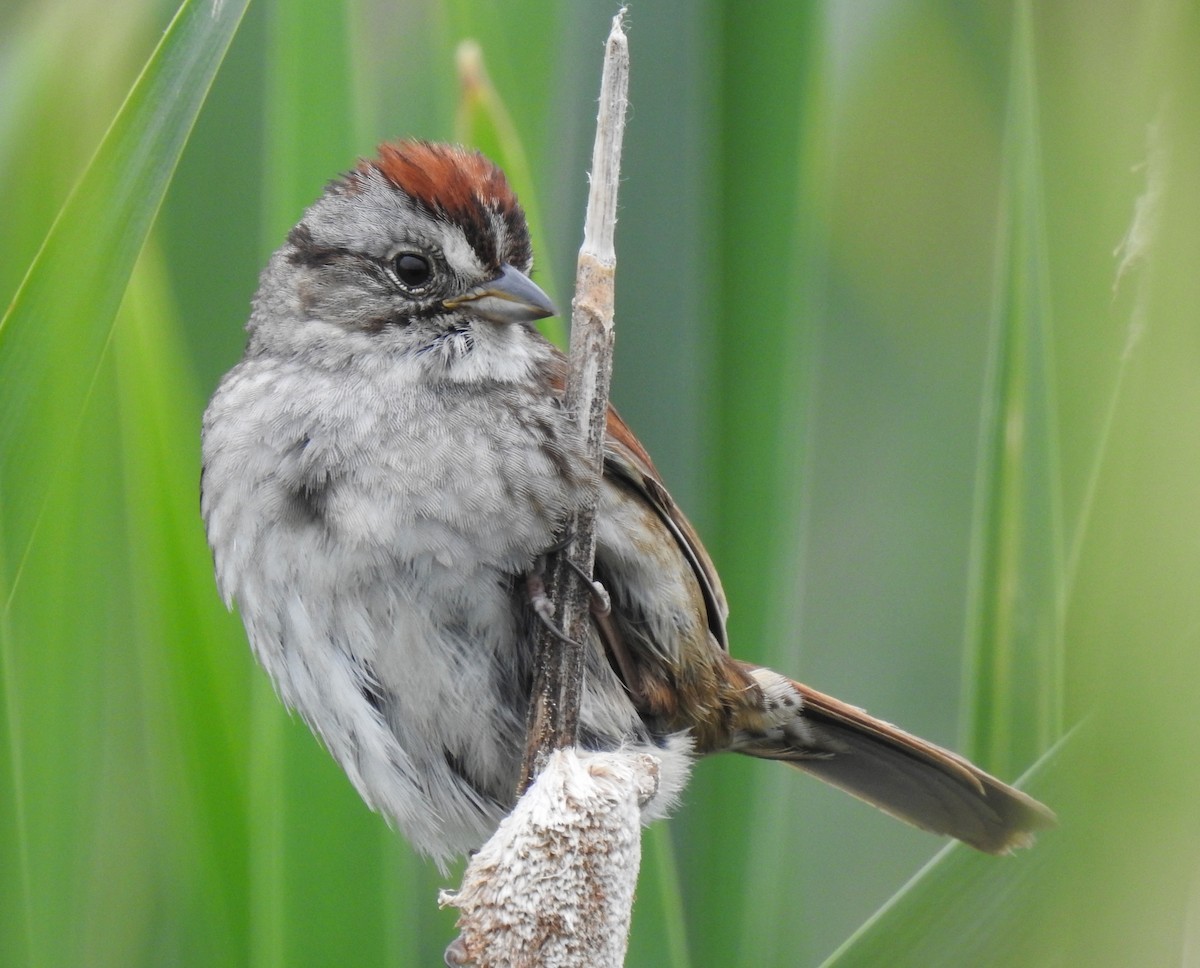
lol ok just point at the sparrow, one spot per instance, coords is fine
(390, 462)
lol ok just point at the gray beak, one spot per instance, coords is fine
(512, 297)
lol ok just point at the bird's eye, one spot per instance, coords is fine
(413, 270)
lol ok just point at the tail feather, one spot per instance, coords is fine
(907, 777)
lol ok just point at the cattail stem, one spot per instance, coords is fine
(553, 887)
(558, 669)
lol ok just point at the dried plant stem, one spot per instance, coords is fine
(558, 669)
(553, 887)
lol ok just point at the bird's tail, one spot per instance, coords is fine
(913, 780)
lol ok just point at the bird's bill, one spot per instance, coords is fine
(511, 297)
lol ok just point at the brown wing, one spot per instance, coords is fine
(626, 459)
(665, 634)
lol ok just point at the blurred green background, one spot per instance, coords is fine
(908, 315)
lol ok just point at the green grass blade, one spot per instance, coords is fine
(190, 672)
(760, 387)
(1013, 672)
(54, 333)
(16, 929)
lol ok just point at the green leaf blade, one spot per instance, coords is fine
(1012, 678)
(54, 333)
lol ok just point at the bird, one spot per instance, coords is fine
(389, 463)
